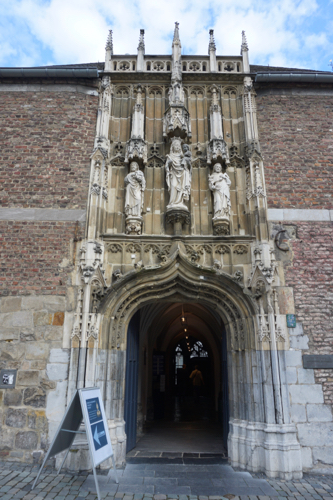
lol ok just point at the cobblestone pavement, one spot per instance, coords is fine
(159, 482)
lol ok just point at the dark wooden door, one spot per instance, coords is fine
(225, 395)
(131, 381)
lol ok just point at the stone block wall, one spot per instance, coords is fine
(310, 273)
(313, 418)
(32, 342)
(46, 141)
(296, 138)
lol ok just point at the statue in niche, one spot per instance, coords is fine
(135, 184)
(219, 183)
(178, 169)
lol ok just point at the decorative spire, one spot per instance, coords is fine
(211, 45)
(109, 42)
(139, 95)
(141, 45)
(176, 34)
(244, 45)
(176, 52)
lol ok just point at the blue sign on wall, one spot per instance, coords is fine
(291, 320)
(99, 435)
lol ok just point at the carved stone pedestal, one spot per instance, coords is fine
(134, 225)
(178, 217)
(221, 226)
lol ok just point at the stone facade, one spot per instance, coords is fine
(84, 249)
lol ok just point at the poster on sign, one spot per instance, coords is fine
(96, 425)
(86, 406)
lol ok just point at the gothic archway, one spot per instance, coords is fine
(178, 279)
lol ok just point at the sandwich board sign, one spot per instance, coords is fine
(86, 406)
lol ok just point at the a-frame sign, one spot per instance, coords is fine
(87, 406)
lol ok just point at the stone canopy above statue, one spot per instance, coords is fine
(180, 133)
(176, 122)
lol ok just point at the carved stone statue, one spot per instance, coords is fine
(219, 183)
(135, 185)
(178, 169)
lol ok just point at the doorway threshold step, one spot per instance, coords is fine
(165, 457)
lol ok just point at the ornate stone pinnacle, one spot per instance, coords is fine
(214, 96)
(139, 95)
(109, 42)
(211, 45)
(244, 45)
(141, 45)
(176, 33)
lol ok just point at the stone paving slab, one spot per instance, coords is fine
(159, 482)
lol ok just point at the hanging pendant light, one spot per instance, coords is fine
(183, 318)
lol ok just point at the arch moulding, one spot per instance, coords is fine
(258, 439)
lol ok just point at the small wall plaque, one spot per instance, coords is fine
(7, 379)
(318, 361)
(291, 320)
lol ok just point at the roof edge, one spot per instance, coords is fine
(49, 73)
(282, 77)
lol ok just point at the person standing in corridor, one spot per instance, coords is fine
(197, 381)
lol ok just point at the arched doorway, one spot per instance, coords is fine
(259, 418)
(170, 341)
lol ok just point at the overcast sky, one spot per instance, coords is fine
(290, 33)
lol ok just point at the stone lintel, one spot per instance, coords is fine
(296, 214)
(42, 214)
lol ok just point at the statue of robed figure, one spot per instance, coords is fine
(219, 184)
(135, 185)
(178, 170)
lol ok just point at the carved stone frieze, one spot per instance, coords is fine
(222, 249)
(177, 121)
(133, 225)
(117, 161)
(221, 227)
(95, 189)
(192, 254)
(136, 149)
(217, 151)
(113, 247)
(254, 182)
(154, 249)
(178, 215)
(240, 249)
(99, 151)
(133, 248)
(236, 160)
(238, 276)
(117, 274)
(199, 163)
(155, 159)
(282, 234)
(217, 265)
(252, 151)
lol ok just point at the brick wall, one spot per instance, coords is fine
(311, 275)
(36, 257)
(46, 140)
(296, 138)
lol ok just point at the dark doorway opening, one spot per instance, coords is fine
(178, 417)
